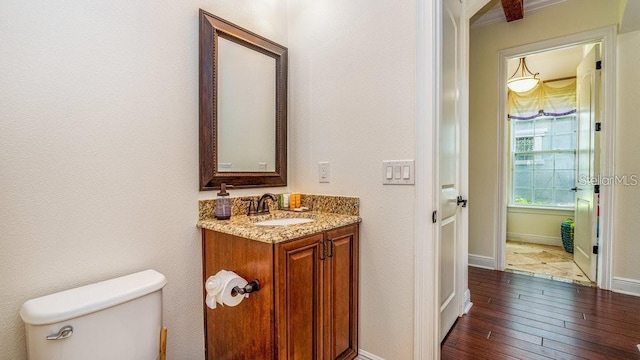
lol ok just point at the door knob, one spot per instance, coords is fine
(575, 188)
(462, 201)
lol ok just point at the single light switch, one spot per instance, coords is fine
(397, 172)
(406, 172)
(389, 172)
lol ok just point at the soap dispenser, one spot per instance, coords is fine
(223, 203)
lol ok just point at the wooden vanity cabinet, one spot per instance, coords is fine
(311, 294)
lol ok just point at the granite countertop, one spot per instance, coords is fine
(243, 225)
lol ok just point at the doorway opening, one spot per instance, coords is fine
(543, 177)
(595, 100)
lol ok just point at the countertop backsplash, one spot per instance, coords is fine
(343, 205)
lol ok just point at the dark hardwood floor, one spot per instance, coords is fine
(522, 317)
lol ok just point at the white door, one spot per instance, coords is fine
(449, 167)
(585, 236)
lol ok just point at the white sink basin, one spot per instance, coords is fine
(283, 221)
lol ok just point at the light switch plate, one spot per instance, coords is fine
(403, 172)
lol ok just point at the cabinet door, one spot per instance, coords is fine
(299, 273)
(341, 294)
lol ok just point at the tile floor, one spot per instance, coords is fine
(545, 261)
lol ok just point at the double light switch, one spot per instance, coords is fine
(398, 172)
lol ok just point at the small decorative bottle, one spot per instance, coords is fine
(223, 204)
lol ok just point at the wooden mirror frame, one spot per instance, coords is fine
(212, 27)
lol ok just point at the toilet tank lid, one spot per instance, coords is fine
(90, 298)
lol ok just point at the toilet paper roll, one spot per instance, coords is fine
(219, 287)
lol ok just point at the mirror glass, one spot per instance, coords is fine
(246, 109)
(243, 107)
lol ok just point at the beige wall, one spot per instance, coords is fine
(626, 251)
(99, 150)
(538, 226)
(565, 18)
(353, 104)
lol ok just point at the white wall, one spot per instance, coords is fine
(626, 250)
(352, 103)
(569, 17)
(99, 150)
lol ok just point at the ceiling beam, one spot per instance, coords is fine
(513, 9)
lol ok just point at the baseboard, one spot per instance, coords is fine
(484, 262)
(467, 301)
(625, 286)
(363, 355)
(535, 239)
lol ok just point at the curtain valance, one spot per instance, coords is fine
(555, 98)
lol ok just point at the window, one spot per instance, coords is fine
(543, 161)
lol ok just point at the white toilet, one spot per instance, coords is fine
(119, 319)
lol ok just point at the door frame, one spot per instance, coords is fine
(426, 305)
(607, 36)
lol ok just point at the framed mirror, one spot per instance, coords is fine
(243, 107)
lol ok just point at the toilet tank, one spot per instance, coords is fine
(118, 318)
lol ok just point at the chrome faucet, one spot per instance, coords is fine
(263, 207)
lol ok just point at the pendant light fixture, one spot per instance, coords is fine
(526, 81)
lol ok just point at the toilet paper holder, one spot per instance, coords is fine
(252, 286)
